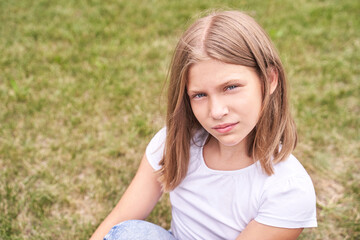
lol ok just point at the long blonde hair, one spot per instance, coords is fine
(231, 37)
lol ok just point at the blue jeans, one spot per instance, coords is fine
(138, 230)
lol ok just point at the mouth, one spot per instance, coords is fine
(223, 128)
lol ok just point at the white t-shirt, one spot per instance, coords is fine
(213, 204)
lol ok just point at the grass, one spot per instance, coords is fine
(81, 95)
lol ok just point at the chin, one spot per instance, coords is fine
(229, 142)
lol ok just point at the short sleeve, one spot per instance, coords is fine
(290, 203)
(155, 149)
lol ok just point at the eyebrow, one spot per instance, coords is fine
(233, 81)
(222, 85)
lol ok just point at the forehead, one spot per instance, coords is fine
(212, 72)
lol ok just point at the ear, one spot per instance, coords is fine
(273, 77)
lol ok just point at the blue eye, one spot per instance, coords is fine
(199, 95)
(231, 87)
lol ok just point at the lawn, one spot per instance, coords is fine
(82, 93)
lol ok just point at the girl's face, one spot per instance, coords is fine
(226, 99)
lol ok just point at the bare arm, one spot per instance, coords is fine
(136, 203)
(255, 230)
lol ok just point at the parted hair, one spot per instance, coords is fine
(236, 38)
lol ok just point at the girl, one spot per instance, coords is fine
(225, 153)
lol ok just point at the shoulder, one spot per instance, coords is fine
(288, 168)
(158, 138)
(284, 171)
(288, 198)
(155, 149)
(290, 176)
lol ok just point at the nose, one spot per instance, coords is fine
(218, 109)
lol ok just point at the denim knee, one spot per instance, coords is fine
(138, 230)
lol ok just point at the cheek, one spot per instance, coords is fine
(256, 107)
(198, 111)
(250, 106)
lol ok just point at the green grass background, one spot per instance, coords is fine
(81, 94)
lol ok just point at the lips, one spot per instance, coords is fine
(224, 128)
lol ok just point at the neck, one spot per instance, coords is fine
(227, 157)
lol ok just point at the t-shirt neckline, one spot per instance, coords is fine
(230, 172)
